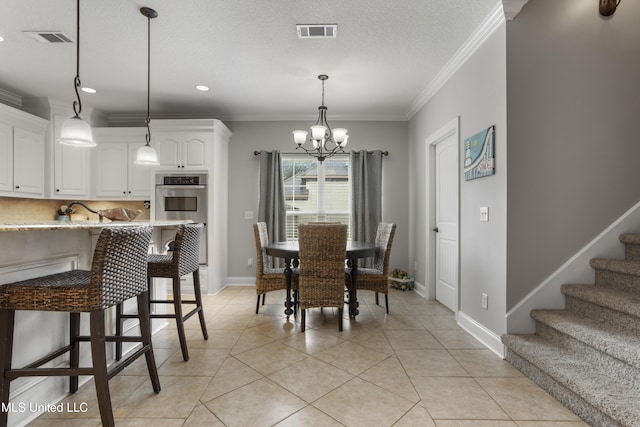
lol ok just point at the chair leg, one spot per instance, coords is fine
(100, 375)
(198, 294)
(258, 304)
(377, 299)
(386, 302)
(264, 296)
(302, 317)
(340, 311)
(74, 355)
(145, 333)
(119, 333)
(7, 318)
(177, 307)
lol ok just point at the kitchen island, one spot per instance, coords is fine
(39, 248)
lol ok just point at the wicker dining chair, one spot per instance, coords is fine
(184, 260)
(268, 279)
(323, 249)
(377, 278)
(118, 272)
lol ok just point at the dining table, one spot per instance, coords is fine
(289, 251)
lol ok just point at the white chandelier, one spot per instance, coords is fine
(324, 141)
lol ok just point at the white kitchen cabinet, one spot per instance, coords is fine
(182, 150)
(116, 176)
(22, 153)
(71, 166)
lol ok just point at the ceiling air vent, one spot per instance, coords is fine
(49, 36)
(317, 31)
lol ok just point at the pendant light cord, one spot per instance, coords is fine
(77, 105)
(148, 78)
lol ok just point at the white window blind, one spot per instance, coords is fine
(316, 191)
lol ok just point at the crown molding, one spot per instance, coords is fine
(490, 24)
(10, 98)
(512, 8)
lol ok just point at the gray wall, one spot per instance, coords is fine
(573, 98)
(276, 135)
(477, 94)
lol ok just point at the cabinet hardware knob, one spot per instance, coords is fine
(436, 229)
(57, 189)
(17, 186)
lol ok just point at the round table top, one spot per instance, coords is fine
(290, 249)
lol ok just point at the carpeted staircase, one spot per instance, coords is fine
(588, 355)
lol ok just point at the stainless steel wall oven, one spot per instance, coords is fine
(182, 196)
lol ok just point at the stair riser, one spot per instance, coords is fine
(628, 373)
(632, 252)
(594, 311)
(615, 280)
(580, 407)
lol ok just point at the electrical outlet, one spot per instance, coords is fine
(249, 262)
(248, 214)
(485, 301)
(415, 265)
(484, 214)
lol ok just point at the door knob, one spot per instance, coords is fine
(436, 229)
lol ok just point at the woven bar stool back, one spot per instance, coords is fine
(323, 249)
(118, 272)
(184, 260)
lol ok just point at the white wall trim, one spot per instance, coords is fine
(491, 23)
(576, 270)
(481, 333)
(239, 281)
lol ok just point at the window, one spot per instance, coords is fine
(315, 191)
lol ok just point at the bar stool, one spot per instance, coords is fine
(185, 259)
(118, 272)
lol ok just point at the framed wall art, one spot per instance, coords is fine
(479, 154)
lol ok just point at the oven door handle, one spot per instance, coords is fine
(186, 187)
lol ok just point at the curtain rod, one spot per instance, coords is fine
(257, 153)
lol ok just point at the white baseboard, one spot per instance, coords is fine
(576, 270)
(420, 289)
(238, 280)
(481, 333)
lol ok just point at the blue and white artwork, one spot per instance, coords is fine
(479, 156)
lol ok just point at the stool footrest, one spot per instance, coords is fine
(153, 301)
(49, 357)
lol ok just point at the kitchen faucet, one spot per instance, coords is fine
(68, 210)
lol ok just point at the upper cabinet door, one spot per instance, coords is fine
(71, 166)
(168, 148)
(28, 162)
(111, 170)
(194, 151)
(6, 157)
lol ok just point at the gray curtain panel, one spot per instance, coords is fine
(271, 208)
(366, 193)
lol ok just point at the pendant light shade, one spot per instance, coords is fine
(76, 131)
(146, 154)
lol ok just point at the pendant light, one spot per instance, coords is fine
(74, 130)
(146, 154)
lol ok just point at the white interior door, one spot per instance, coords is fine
(446, 219)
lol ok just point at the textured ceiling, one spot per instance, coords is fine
(246, 51)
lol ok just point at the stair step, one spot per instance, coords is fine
(601, 343)
(592, 393)
(617, 273)
(613, 306)
(632, 245)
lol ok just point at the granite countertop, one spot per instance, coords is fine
(83, 225)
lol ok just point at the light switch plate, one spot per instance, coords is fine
(484, 214)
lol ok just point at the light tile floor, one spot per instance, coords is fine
(413, 367)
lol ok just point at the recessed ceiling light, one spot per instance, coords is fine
(88, 90)
(1, 39)
(202, 88)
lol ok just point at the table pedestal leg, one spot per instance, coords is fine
(287, 274)
(353, 295)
